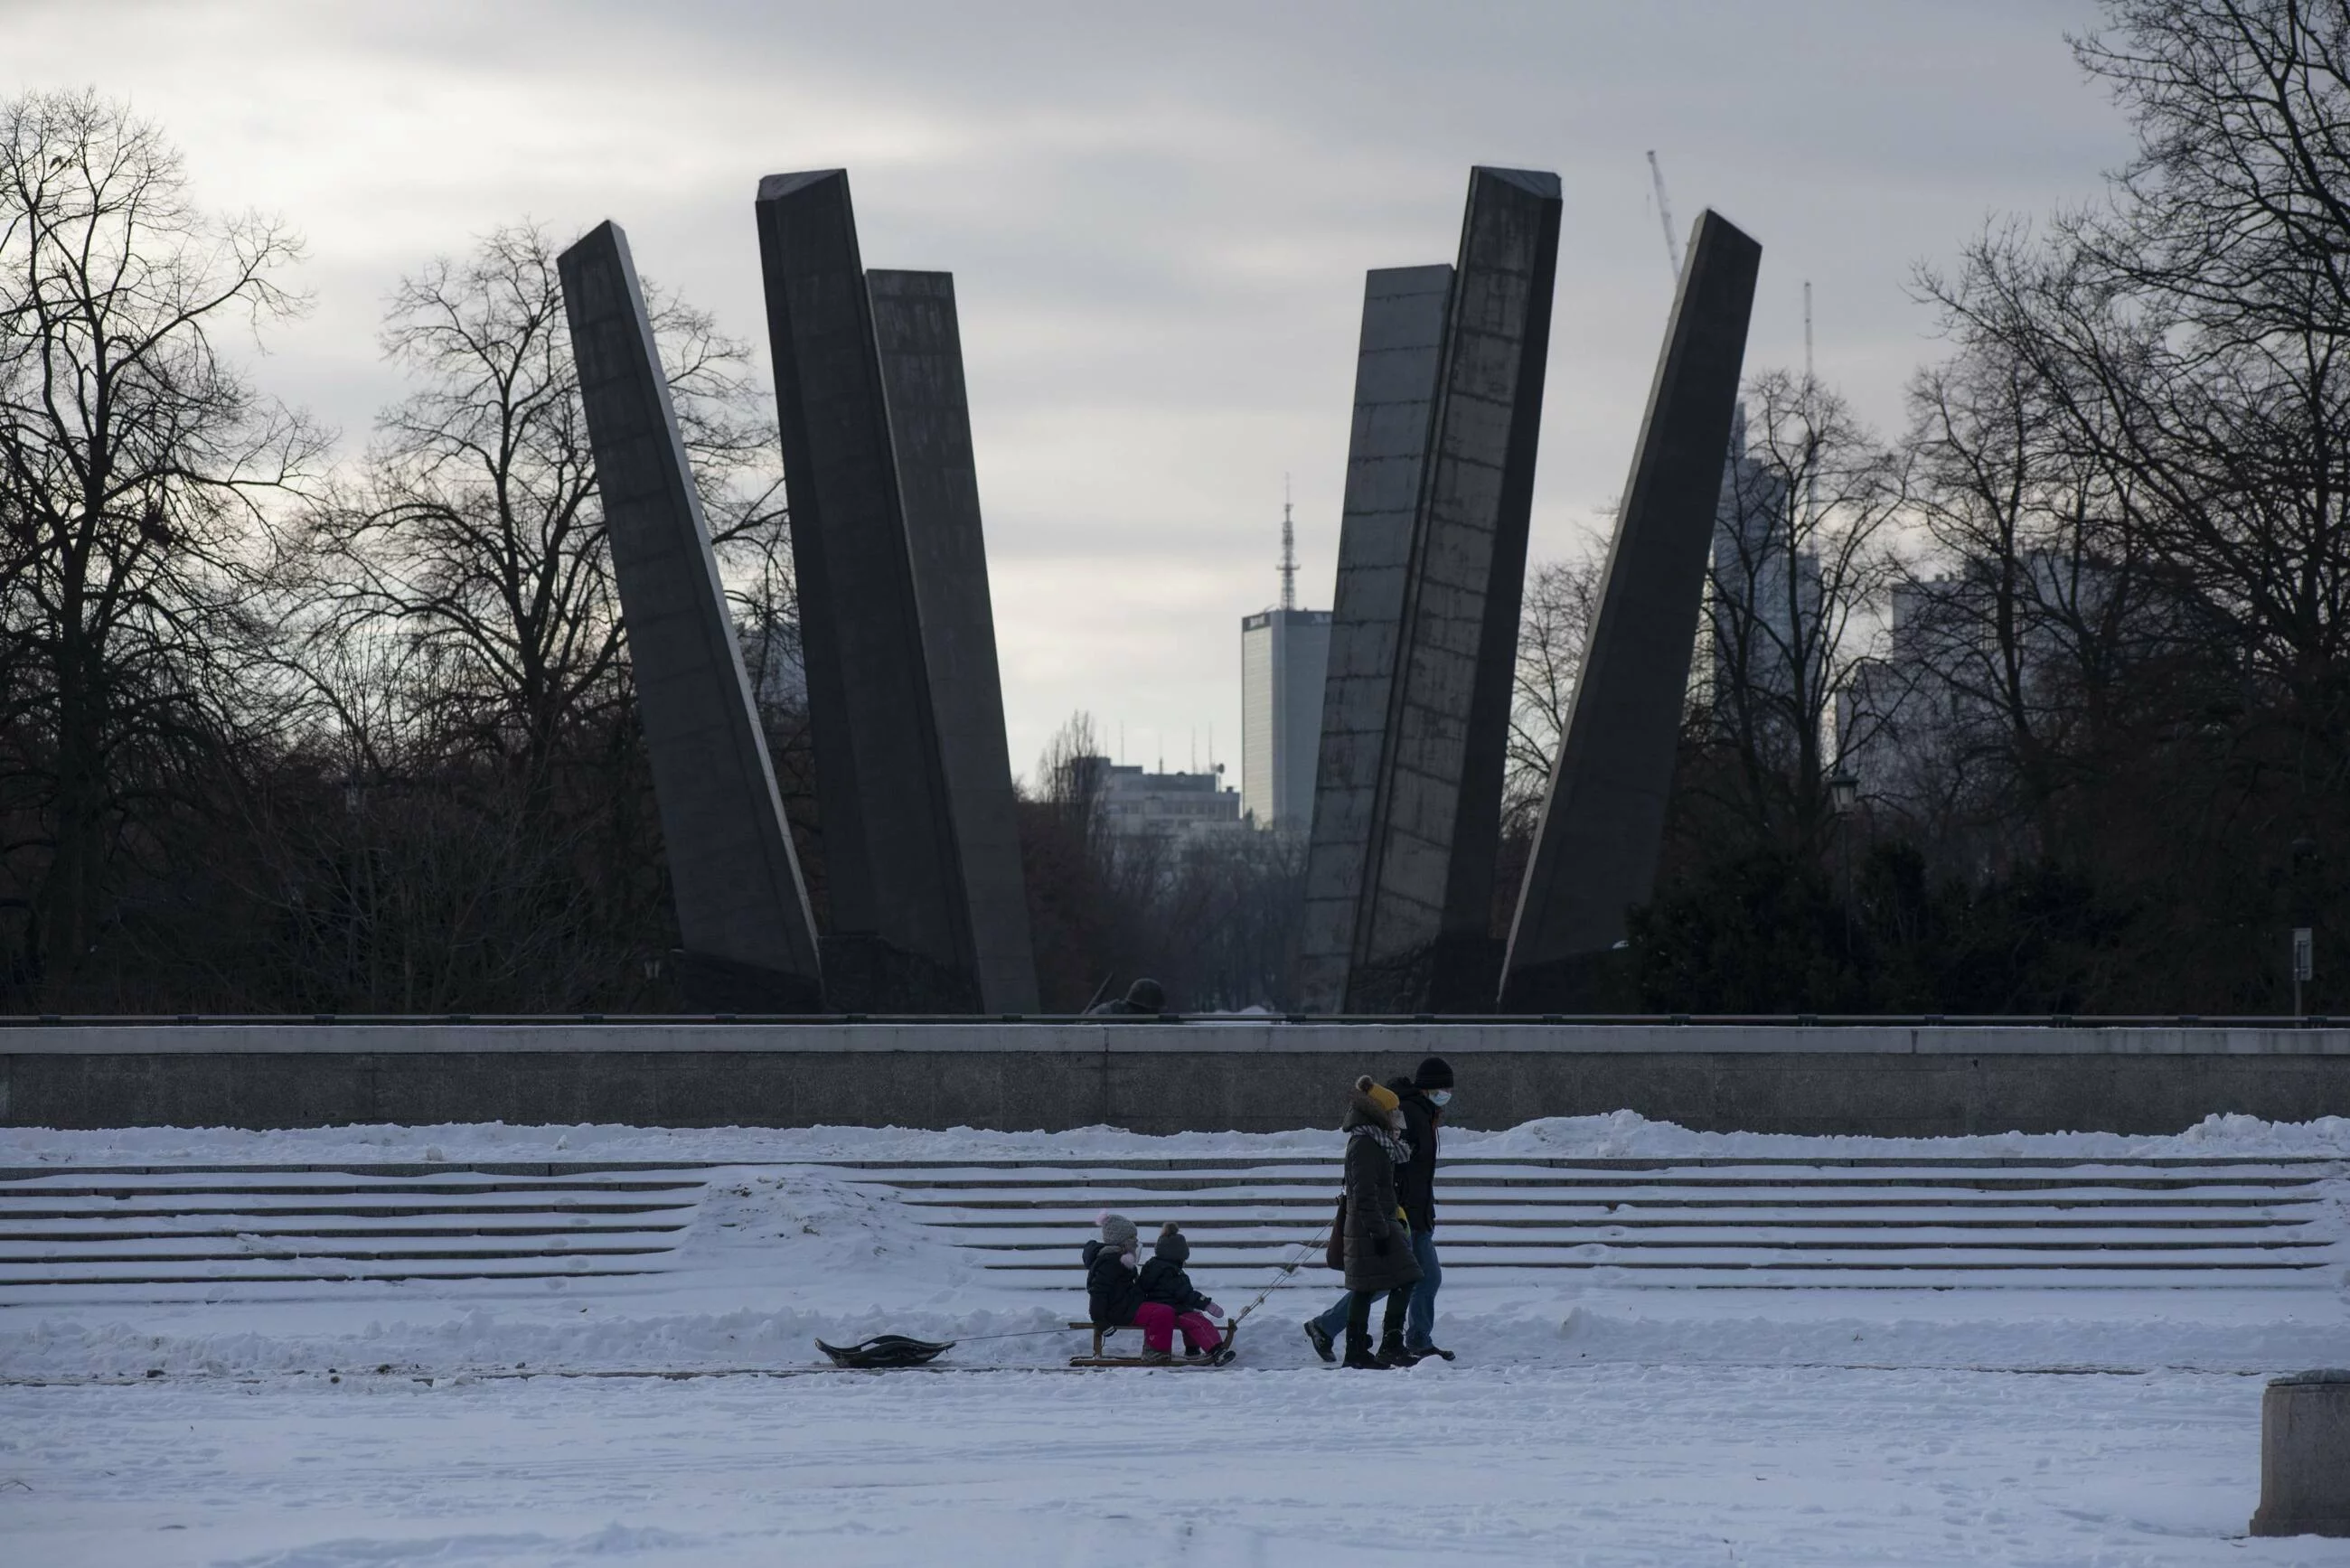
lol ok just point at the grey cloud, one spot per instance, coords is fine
(1159, 218)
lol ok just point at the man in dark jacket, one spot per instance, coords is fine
(1423, 1098)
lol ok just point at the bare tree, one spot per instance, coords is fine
(137, 472)
(1553, 628)
(2189, 334)
(2178, 477)
(1802, 562)
(2040, 599)
(475, 531)
(460, 645)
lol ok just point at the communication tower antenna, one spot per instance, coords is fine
(1288, 551)
(1665, 215)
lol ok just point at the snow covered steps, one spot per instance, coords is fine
(166, 1231)
(1741, 1223)
(226, 1226)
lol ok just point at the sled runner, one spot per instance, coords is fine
(885, 1350)
(1220, 1356)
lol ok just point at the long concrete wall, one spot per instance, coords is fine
(1163, 1077)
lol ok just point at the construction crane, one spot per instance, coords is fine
(1665, 215)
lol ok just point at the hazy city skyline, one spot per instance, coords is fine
(1159, 227)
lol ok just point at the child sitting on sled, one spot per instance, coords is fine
(1113, 1295)
(1165, 1282)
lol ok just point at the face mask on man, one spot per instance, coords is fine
(1439, 1099)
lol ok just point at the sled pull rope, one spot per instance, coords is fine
(1283, 1272)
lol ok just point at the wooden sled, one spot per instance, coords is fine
(1223, 1356)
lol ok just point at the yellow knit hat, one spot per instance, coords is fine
(1379, 1094)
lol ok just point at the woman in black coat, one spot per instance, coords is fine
(1378, 1238)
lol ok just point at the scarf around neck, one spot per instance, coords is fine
(1397, 1150)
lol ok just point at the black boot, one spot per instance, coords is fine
(1358, 1352)
(1393, 1353)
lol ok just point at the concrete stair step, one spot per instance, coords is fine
(331, 1227)
(393, 1208)
(1213, 1245)
(1084, 1209)
(216, 1282)
(45, 1233)
(1320, 1287)
(11, 1265)
(1896, 1222)
(1483, 1182)
(320, 1190)
(2220, 1248)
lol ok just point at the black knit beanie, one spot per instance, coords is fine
(1436, 1073)
(1171, 1245)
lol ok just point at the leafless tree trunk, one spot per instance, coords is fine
(136, 471)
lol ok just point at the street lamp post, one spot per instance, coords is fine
(1844, 795)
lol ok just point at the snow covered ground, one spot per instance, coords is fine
(544, 1423)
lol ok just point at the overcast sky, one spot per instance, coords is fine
(1157, 219)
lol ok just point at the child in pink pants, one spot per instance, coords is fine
(1171, 1304)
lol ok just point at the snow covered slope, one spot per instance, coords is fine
(624, 1371)
(458, 1248)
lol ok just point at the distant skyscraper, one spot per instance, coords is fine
(1765, 620)
(1285, 654)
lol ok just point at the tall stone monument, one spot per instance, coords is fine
(1603, 819)
(1395, 396)
(900, 935)
(921, 345)
(1417, 937)
(741, 911)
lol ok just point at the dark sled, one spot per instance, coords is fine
(885, 1350)
(1222, 1357)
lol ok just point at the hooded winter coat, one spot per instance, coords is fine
(1378, 1245)
(1112, 1290)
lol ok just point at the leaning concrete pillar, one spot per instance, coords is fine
(1387, 453)
(741, 911)
(937, 479)
(1423, 931)
(899, 921)
(1603, 819)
